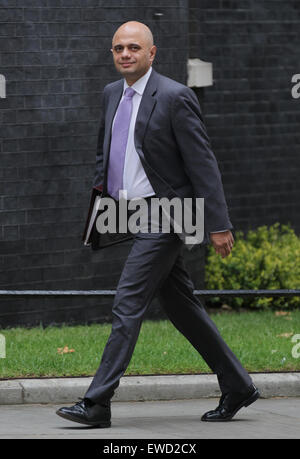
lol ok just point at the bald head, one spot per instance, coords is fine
(133, 50)
(137, 28)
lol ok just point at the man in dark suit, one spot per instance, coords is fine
(152, 143)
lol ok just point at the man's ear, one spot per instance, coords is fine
(153, 50)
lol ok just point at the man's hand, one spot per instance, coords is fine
(222, 242)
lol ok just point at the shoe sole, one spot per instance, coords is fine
(245, 403)
(101, 425)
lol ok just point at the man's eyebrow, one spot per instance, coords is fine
(130, 44)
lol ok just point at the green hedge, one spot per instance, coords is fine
(266, 258)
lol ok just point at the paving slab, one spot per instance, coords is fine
(274, 418)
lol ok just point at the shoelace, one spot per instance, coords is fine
(88, 403)
(80, 401)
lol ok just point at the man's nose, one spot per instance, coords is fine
(125, 52)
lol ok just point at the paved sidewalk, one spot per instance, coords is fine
(180, 419)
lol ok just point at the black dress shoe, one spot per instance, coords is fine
(87, 412)
(230, 404)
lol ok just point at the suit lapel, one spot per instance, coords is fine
(145, 110)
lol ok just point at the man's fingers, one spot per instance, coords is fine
(222, 251)
(225, 249)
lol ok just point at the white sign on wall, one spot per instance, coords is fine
(2, 87)
(200, 73)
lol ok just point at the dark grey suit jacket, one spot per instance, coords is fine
(173, 146)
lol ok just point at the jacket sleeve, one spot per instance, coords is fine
(199, 161)
(98, 177)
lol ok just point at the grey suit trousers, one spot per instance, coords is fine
(155, 266)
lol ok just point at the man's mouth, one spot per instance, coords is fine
(126, 64)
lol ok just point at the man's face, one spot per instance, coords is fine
(133, 53)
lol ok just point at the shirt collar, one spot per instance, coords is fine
(140, 84)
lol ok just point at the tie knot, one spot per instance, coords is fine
(129, 92)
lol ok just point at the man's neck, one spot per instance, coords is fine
(131, 81)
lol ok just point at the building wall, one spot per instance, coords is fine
(55, 56)
(251, 117)
(56, 60)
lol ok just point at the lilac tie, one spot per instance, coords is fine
(118, 144)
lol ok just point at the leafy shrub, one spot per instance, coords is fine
(266, 258)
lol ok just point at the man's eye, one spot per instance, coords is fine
(134, 48)
(118, 49)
